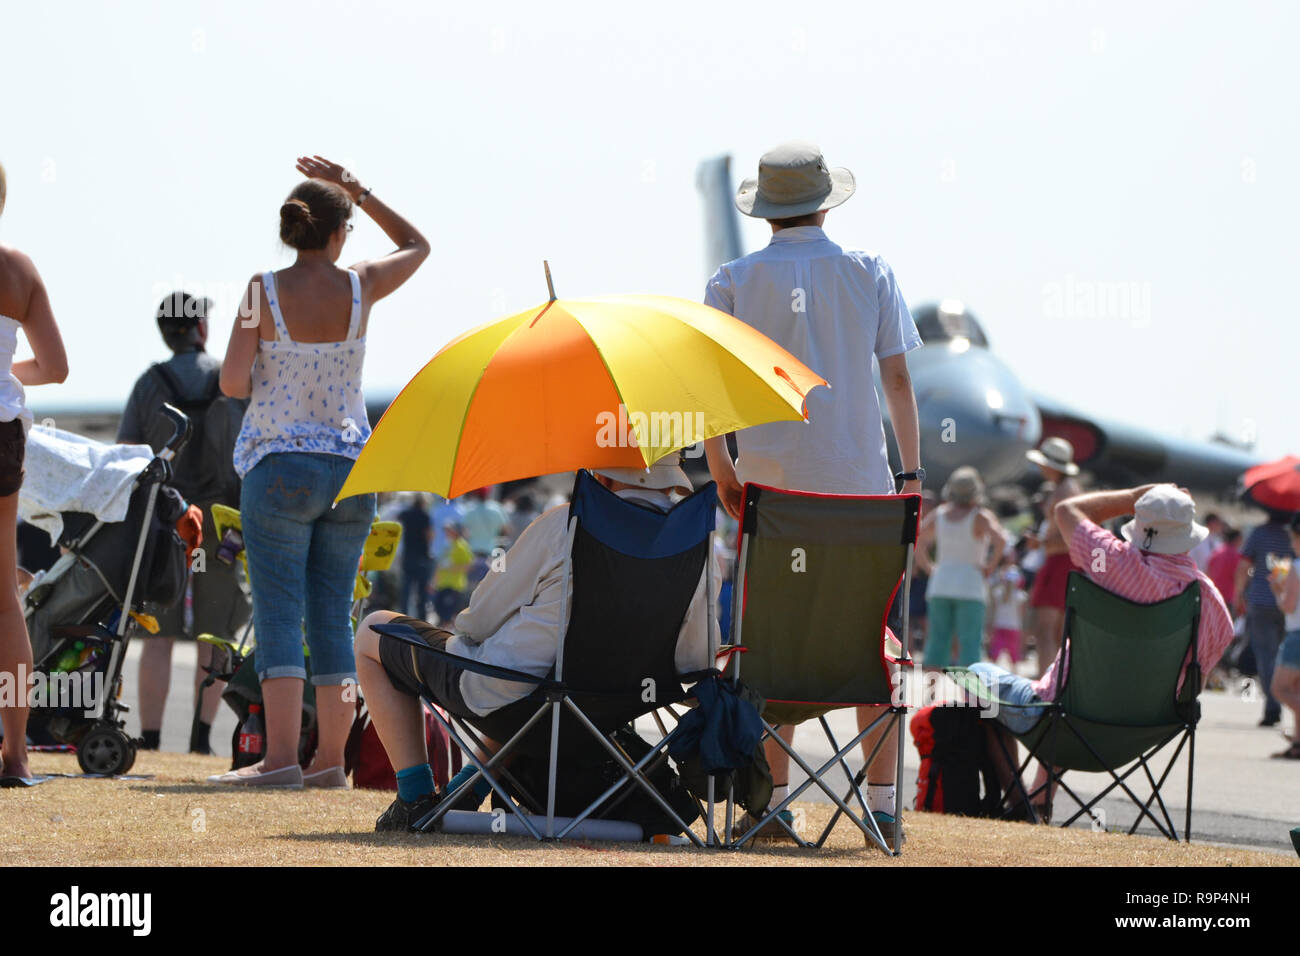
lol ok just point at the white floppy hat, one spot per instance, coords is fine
(664, 475)
(793, 180)
(1164, 522)
(1054, 453)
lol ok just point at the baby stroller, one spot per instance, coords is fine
(114, 516)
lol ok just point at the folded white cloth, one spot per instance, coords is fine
(68, 472)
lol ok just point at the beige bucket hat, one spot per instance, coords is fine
(1054, 453)
(793, 180)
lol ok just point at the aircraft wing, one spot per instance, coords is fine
(1122, 454)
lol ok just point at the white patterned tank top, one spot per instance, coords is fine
(306, 396)
(13, 400)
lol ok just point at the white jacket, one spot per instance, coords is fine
(515, 614)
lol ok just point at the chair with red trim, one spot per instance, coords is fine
(815, 580)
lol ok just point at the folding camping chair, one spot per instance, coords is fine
(634, 573)
(815, 580)
(1118, 704)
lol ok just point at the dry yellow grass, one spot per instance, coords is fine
(178, 820)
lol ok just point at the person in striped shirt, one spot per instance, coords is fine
(1147, 563)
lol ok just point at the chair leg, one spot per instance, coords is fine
(867, 825)
(553, 770)
(1017, 776)
(1156, 786)
(633, 770)
(483, 768)
(1118, 781)
(521, 794)
(856, 780)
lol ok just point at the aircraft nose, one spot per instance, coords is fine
(975, 411)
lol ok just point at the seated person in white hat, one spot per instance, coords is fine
(513, 620)
(1151, 563)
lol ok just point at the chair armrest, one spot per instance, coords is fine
(408, 635)
(971, 683)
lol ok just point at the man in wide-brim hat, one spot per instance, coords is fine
(833, 309)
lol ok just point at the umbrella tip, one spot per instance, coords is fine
(550, 286)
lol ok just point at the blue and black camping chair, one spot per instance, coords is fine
(634, 573)
(816, 577)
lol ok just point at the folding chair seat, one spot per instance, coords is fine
(1118, 705)
(816, 577)
(635, 572)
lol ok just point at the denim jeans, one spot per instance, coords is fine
(1265, 627)
(1015, 694)
(302, 563)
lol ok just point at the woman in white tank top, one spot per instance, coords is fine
(962, 532)
(23, 304)
(296, 353)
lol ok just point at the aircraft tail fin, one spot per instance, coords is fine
(721, 222)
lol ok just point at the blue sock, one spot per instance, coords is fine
(481, 787)
(415, 782)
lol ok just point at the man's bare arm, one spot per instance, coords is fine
(723, 471)
(896, 382)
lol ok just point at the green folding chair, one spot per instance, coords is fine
(1119, 705)
(815, 580)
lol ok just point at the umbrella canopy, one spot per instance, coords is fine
(616, 381)
(1274, 485)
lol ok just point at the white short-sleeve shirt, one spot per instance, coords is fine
(832, 309)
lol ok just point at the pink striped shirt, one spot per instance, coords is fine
(1146, 578)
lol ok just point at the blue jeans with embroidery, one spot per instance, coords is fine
(302, 563)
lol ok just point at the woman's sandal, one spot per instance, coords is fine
(1291, 753)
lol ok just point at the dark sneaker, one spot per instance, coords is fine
(772, 832)
(401, 817)
(888, 826)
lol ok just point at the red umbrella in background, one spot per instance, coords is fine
(1275, 485)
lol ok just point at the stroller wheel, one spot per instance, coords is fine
(134, 750)
(105, 750)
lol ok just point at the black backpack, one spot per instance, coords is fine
(954, 762)
(204, 470)
(585, 775)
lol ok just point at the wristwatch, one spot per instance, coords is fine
(918, 475)
(361, 200)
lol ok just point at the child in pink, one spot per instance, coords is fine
(1007, 607)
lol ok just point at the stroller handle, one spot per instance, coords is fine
(181, 431)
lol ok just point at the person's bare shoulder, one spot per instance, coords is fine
(17, 275)
(1065, 488)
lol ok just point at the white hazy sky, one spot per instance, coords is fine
(1004, 153)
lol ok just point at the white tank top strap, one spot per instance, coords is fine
(354, 322)
(273, 298)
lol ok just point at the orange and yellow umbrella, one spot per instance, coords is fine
(578, 383)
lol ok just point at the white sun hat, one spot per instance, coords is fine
(1164, 522)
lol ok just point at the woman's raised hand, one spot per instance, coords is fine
(318, 167)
